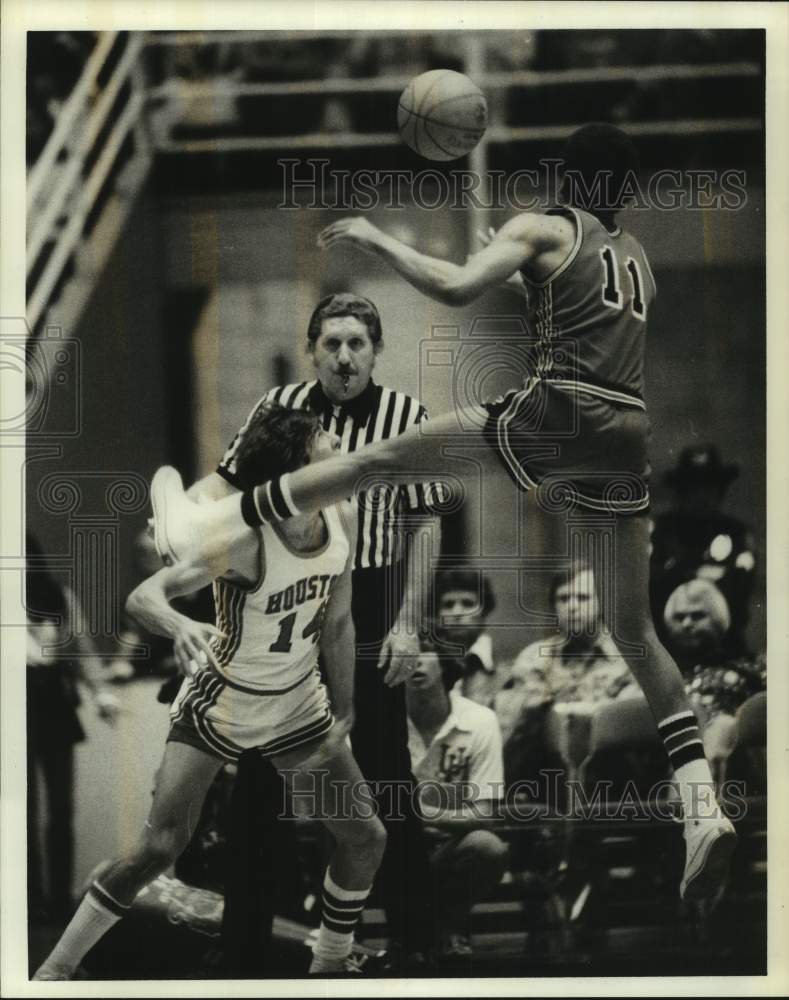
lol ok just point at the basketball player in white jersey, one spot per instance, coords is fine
(282, 594)
(575, 432)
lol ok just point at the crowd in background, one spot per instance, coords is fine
(56, 59)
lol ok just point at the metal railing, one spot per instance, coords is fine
(487, 81)
(64, 184)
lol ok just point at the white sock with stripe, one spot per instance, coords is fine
(682, 739)
(96, 914)
(339, 916)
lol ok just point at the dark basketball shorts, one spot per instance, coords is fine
(574, 443)
(214, 716)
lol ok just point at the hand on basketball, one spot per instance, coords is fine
(400, 651)
(357, 231)
(192, 645)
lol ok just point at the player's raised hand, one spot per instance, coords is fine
(192, 645)
(355, 230)
(399, 654)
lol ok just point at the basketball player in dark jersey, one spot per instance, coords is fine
(575, 432)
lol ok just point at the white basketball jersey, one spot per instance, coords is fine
(273, 626)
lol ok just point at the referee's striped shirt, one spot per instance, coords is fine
(376, 414)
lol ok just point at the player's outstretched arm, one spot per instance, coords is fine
(338, 637)
(149, 604)
(515, 281)
(514, 246)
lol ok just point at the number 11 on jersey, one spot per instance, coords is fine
(612, 293)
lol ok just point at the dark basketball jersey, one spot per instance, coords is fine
(590, 315)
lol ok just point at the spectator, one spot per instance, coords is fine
(455, 745)
(695, 539)
(717, 680)
(463, 601)
(56, 661)
(578, 668)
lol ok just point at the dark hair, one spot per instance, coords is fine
(345, 304)
(564, 576)
(594, 150)
(275, 441)
(465, 578)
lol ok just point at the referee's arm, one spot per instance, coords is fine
(400, 648)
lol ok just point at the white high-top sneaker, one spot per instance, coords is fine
(710, 843)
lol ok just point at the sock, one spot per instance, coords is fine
(339, 916)
(270, 502)
(97, 912)
(682, 739)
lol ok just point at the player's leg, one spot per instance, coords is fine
(181, 525)
(184, 778)
(335, 791)
(710, 837)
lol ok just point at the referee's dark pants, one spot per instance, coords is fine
(380, 745)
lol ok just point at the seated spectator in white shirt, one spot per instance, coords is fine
(463, 600)
(578, 668)
(456, 754)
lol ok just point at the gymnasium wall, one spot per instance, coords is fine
(116, 399)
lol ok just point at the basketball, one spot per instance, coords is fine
(442, 115)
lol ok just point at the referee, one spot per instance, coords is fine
(344, 339)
